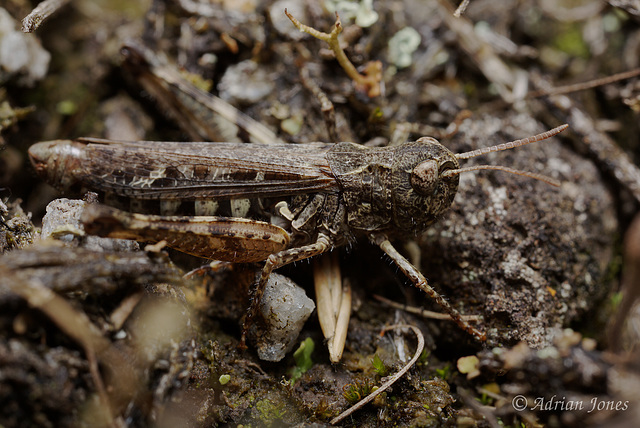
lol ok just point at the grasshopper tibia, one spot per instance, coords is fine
(275, 261)
(421, 282)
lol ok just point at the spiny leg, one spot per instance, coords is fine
(213, 267)
(275, 261)
(421, 282)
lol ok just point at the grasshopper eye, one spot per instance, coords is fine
(424, 177)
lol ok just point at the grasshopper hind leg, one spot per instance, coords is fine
(421, 282)
(275, 261)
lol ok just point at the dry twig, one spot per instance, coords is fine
(460, 10)
(423, 312)
(391, 380)
(369, 82)
(41, 13)
(575, 87)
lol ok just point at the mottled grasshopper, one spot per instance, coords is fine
(272, 203)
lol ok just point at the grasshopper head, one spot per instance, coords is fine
(422, 190)
(430, 173)
(56, 161)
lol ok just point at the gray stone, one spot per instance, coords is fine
(285, 308)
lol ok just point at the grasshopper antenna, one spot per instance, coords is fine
(507, 146)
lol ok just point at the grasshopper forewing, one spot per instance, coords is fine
(320, 195)
(184, 172)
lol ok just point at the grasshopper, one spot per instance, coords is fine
(273, 203)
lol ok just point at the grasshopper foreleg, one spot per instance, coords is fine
(275, 261)
(421, 282)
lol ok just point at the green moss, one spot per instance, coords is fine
(356, 391)
(444, 373)
(571, 42)
(270, 412)
(379, 367)
(424, 357)
(302, 355)
(67, 107)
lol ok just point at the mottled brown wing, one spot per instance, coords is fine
(169, 170)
